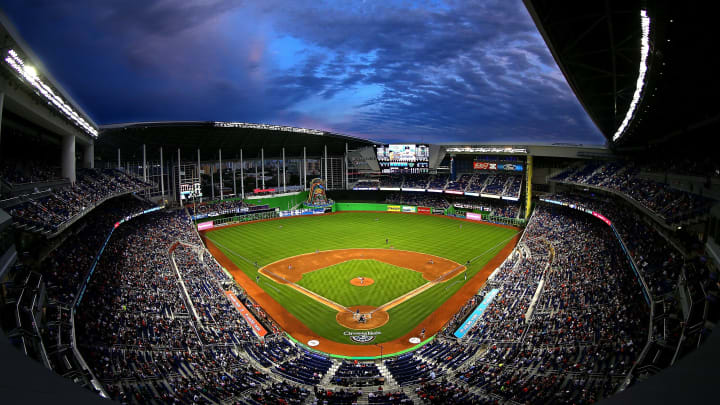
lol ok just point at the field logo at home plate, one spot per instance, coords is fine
(361, 337)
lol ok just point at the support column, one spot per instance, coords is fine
(212, 181)
(326, 165)
(347, 169)
(242, 177)
(304, 183)
(256, 173)
(262, 167)
(144, 163)
(278, 177)
(284, 185)
(198, 173)
(162, 177)
(178, 179)
(88, 155)
(234, 182)
(2, 103)
(68, 157)
(221, 170)
(528, 187)
(119, 166)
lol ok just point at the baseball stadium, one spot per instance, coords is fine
(217, 261)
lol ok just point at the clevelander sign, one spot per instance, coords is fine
(251, 321)
(477, 313)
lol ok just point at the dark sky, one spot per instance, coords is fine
(412, 71)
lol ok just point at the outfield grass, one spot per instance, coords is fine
(333, 282)
(267, 242)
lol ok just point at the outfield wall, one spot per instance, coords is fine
(284, 202)
(386, 208)
(359, 207)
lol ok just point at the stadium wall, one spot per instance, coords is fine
(359, 207)
(284, 202)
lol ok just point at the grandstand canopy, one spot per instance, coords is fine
(211, 136)
(597, 45)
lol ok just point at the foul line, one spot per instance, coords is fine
(387, 306)
(231, 252)
(422, 288)
(317, 297)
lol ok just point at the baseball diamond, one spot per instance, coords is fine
(309, 270)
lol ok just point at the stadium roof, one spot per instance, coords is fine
(211, 136)
(597, 45)
(16, 54)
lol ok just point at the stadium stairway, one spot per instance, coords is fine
(389, 380)
(325, 381)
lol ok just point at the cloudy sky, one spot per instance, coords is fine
(387, 70)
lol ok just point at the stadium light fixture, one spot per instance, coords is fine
(640, 84)
(29, 74)
(220, 124)
(30, 71)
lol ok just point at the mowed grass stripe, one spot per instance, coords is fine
(266, 242)
(390, 282)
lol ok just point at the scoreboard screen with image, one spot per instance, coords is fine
(403, 158)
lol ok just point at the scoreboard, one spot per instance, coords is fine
(403, 158)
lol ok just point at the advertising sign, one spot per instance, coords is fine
(474, 216)
(407, 208)
(205, 225)
(477, 313)
(424, 210)
(251, 321)
(394, 208)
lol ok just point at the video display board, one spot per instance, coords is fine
(403, 158)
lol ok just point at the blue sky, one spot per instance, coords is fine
(394, 71)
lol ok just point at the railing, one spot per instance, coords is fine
(78, 299)
(645, 290)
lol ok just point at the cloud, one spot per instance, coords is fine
(393, 70)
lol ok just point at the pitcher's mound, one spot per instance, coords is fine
(376, 320)
(362, 283)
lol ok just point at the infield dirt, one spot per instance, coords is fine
(432, 323)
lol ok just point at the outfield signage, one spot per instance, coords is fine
(497, 166)
(394, 208)
(477, 313)
(302, 211)
(205, 225)
(424, 210)
(473, 216)
(251, 321)
(408, 208)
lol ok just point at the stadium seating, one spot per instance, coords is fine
(418, 199)
(673, 206)
(566, 326)
(47, 212)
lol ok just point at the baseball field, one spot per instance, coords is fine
(332, 278)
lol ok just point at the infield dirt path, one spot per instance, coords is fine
(292, 268)
(432, 324)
